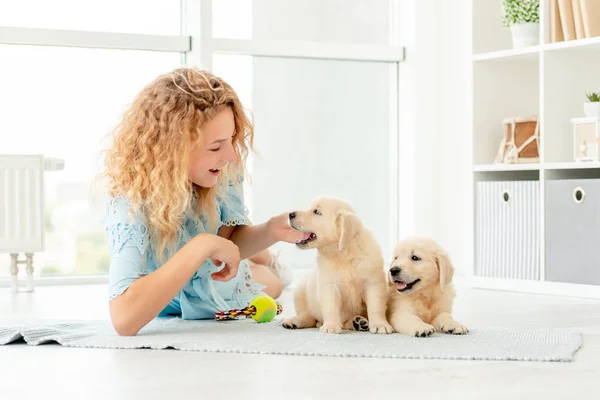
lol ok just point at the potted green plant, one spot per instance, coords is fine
(591, 108)
(523, 19)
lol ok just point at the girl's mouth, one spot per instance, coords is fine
(214, 171)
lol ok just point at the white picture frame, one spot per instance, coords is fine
(586, 133)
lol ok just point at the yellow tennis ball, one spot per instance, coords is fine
(266, 308)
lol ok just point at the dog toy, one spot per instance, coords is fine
(261, 309)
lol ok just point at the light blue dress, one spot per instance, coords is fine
(133, 255)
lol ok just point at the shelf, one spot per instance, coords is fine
(572, 165)
(536, 167)
(510, 54)
(590, 44)
(580, 45)
(549, 80)
(506, 167)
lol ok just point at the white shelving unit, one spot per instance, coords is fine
(548, 80)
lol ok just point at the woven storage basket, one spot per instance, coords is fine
(521, 141)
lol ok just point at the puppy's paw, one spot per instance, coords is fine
(423, 330)
(454, 328)
(299, 322)
(445, 323)
(360, 324)
(381, 328)
(418, 329)
(330, 328)
(289, 324)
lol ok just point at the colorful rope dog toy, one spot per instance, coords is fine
(261, 309)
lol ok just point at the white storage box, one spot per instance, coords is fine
(507, 231)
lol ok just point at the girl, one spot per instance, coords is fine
(177, 228)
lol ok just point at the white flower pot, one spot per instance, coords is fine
(525, 34)
(591, 109)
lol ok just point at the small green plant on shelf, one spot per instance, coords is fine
(593, 97)
(523, 19)
(520, 11)
(591, 108)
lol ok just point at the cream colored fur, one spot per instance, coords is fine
(349, 282)
(427, 306)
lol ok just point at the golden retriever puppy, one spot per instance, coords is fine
(420, 289)
(349, 282)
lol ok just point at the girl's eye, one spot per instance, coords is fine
(215, 150)
(317, 212)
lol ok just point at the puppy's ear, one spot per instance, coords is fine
(349, 226)
(445, 267)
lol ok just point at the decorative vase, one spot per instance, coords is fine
(591, 109)
(525, 34)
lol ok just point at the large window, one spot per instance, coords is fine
(320, 78)
(313, 138)
(157, 17)
(325, 21)
(62, 101)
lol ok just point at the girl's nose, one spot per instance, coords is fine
(230, 154)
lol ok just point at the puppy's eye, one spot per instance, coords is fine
(415, 258)
(317, 212)
(395, 258)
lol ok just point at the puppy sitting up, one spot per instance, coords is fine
(349, 282)
(420, 289)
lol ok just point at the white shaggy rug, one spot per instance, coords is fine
(247, 336)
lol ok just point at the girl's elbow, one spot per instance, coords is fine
(125, 328)
(121, 320)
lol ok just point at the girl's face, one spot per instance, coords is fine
(217, 150)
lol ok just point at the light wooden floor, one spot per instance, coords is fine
(28, 372)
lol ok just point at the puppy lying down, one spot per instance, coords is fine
(420, 289)
(349, 282)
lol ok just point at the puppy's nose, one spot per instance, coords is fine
(292, 215)
(395, 271)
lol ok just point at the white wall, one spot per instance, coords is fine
(454, 156)
(435, 82)
(418, 125)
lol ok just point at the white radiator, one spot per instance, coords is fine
(22, 208)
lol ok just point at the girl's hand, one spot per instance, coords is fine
(281, 231)
(223, 251)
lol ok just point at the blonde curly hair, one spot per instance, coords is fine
(149, 159)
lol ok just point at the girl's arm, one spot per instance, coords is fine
(146, 297)
(252, 239)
